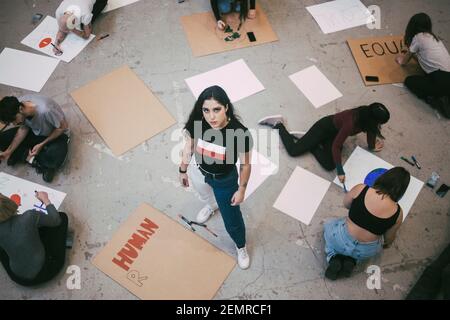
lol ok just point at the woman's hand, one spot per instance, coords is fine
(379, 144)
(221, 25)
(251, 14)
(341, 178)
(399, 59)
(43, 197)
(184, 180)
(238, 197)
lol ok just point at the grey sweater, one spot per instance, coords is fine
(19, 238)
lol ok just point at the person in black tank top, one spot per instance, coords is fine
(365, 232)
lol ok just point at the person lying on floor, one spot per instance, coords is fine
(326, 137)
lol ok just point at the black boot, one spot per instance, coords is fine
(334, 267)
(348, 264)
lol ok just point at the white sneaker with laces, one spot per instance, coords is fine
(271, 121)
(204, 214)
(243, 258)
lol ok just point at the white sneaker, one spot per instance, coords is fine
(271, 121)
(204, 214)
(243, 258)
(297, 134)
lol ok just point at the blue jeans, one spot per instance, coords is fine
(339, 241)
(226, 6)
(224, 189)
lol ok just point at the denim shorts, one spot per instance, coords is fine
(339, 241)
(226, 6)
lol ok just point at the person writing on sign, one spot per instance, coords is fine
(217, 137)
(76, 16)
(327, 136)
(40, 136)
(373, 220)
(223, 7)
(433, 57)
(33, 244)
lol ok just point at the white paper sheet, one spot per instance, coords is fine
(262, 168)
(114, 4)
(45, 33)
(302, 195)
(361, 162)
(23, 190)
(25, 70)
(315, 86)
(235, 78)
(339, 15)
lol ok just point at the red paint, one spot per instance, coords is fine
(45, 42)
(16, 198)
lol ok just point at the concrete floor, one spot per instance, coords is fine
(287, 256)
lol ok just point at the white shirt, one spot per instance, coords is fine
(83, 11)
(431, 54)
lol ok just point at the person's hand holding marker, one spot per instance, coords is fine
(43, 197)
(379, 144)
(57, 50)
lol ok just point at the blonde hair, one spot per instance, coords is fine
(8, 208)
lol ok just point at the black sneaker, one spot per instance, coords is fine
(334, 267)
(348, 264)
(48, 175)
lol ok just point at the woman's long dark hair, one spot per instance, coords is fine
(370, 118)
(216, 93)
(393, 183)
(244, 9)
(419, 22)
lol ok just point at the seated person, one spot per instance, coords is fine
(222, 7)
(42, 137)
(32, 245)
(433, 57)
(76, 16)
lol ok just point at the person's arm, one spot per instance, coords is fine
(60, 36)
(252, 11)
(86, 33)
(338, 142)
(245, 170)
(52, 218)
(352, 194)
(215, 9)
(389, 235)
(55, 134)
(186, 155)
(404, 58)
(18, 138)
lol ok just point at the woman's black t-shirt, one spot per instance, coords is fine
(217, 151)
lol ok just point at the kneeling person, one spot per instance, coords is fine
(42, 137)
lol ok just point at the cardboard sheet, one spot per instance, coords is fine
(339, 15)
(25, 70)
(204, 37)
(155, 257)
(115, 4)
(122, 109)
(235, 78)
(44, 35)
(315, 86)
(262, 168)
(302, 195)
(22, 192)
(361, 162)
(376, 57)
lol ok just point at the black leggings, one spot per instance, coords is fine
(54, 241)
(318, 140)
(52, 156)
(99, 5)
(435, 84)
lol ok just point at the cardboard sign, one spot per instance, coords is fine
(122, 109)
(205, 38)
(375, 57)
(22, 193)
(157, 258)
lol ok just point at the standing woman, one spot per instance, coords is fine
(374, 217)
(218, 139)
(33, 244)
(326, 137)
(433, 57)
(222, 7)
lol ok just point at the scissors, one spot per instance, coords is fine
(190, 223)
